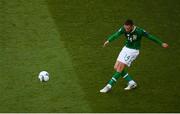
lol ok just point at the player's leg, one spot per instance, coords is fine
(121, 71)
(117, 74)
(112, 80)
(131, 55)
(119, 68)
(125, 75)
(124, 59)
(131, 83)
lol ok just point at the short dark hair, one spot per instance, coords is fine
(129, 22)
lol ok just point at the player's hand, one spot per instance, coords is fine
(106, 43)
(164, 45)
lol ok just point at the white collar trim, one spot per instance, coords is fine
(133, 29)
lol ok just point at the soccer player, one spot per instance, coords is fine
(128, 53)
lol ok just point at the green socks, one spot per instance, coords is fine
(114, 78)
(117, 75)
(127, 77)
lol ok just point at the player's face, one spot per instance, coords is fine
(128, 28)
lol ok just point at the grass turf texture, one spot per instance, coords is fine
(65, 38)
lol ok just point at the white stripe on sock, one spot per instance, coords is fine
(114, 79)
(125, 75)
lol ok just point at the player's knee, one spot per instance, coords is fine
(120, 68)
(116, 65)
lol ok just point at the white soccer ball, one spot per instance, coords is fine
(43, 76)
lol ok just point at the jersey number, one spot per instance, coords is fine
(132, 38)
(126, 58)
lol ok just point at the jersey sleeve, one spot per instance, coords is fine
(151, 37)
(116, 35)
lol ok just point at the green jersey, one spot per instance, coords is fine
(133, 38)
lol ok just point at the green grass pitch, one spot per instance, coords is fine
(65, 37)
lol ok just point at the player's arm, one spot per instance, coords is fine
(155, 39)
(114, 36)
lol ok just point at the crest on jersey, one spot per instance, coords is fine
(134, 37)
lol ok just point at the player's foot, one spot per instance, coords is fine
(106, 89)
(131, 85)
